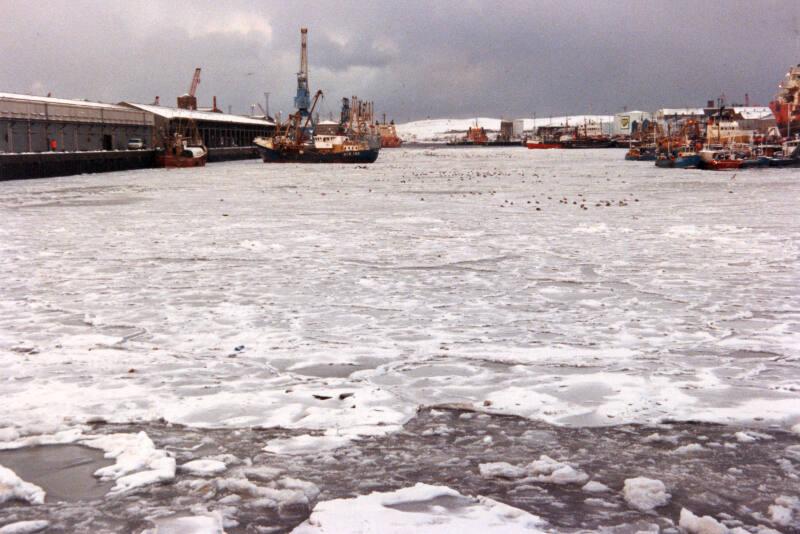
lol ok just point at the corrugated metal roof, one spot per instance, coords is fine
(61, 101)
(753, 112)
(681, 111)
(177, 113)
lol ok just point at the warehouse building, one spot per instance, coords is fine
(43, 124)
(221, 132)
(630, 122)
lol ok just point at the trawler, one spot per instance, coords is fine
(354, 139)
(351, 141)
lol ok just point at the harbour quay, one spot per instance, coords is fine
(45, 136)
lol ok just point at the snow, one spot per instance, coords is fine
(203, 467)
(700, 525)
(12, 487)
(172, 113)
(501, 470)
(644, 494)
(422, 509)
(441, 130)
(51, 100)
(24, 527)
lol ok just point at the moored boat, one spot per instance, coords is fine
(719, 160)
(538, 143)
(679, 160)
(180, 151)
(786, 106)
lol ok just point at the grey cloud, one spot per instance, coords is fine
(415, 59)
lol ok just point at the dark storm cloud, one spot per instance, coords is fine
(415, 59)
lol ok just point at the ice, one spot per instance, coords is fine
(433, 303)
(421, 509)
(13, 487)
(545, 469)
(689, 449)
(137, 461)
(203, 467)
(198, 524)
(501, 470)
(786, 511)
(644, 494)
(126, 295)
(24, 527)
(701, 525)
(306, 444)
(595, 487)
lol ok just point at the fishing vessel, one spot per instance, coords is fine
(680, 159)
(296, 142)
(184, 148)
(719, 159)
(354, 140)
(475, 135)
(388, 134)
(547, 137)
(786, 106)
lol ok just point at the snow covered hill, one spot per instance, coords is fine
(440, 130)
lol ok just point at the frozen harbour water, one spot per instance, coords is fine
(573, 289)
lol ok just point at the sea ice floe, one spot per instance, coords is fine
(501, 470)
(690, 448)
(307, 444)
(137, 460)
(422, 509)
(203, 467)
(595, 487)
(701, 525)
(545, 469)
(644, 493)
(12, 487)
(786, 511)
(211, 523)
(25, 527)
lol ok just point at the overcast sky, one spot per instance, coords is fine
(414, 59)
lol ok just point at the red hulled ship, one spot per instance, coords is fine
(786, 106)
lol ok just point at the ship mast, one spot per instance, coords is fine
(302, 101)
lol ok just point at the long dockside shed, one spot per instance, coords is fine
(30, 124)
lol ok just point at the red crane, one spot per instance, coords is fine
(195, 81)
(189, 101)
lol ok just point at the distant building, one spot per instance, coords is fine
(758, 118)
(629, 122)
(42, 124)
(674, 115)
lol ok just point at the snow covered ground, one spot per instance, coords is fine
(568, 287)
(441, 130)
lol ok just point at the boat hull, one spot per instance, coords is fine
(271, 155)
(543, 146)
(171, 161)
(723, 165)
(391, 142)
(679, 162)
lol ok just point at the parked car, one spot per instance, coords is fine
(135, 143)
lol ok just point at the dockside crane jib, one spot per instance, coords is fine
(302, 101)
